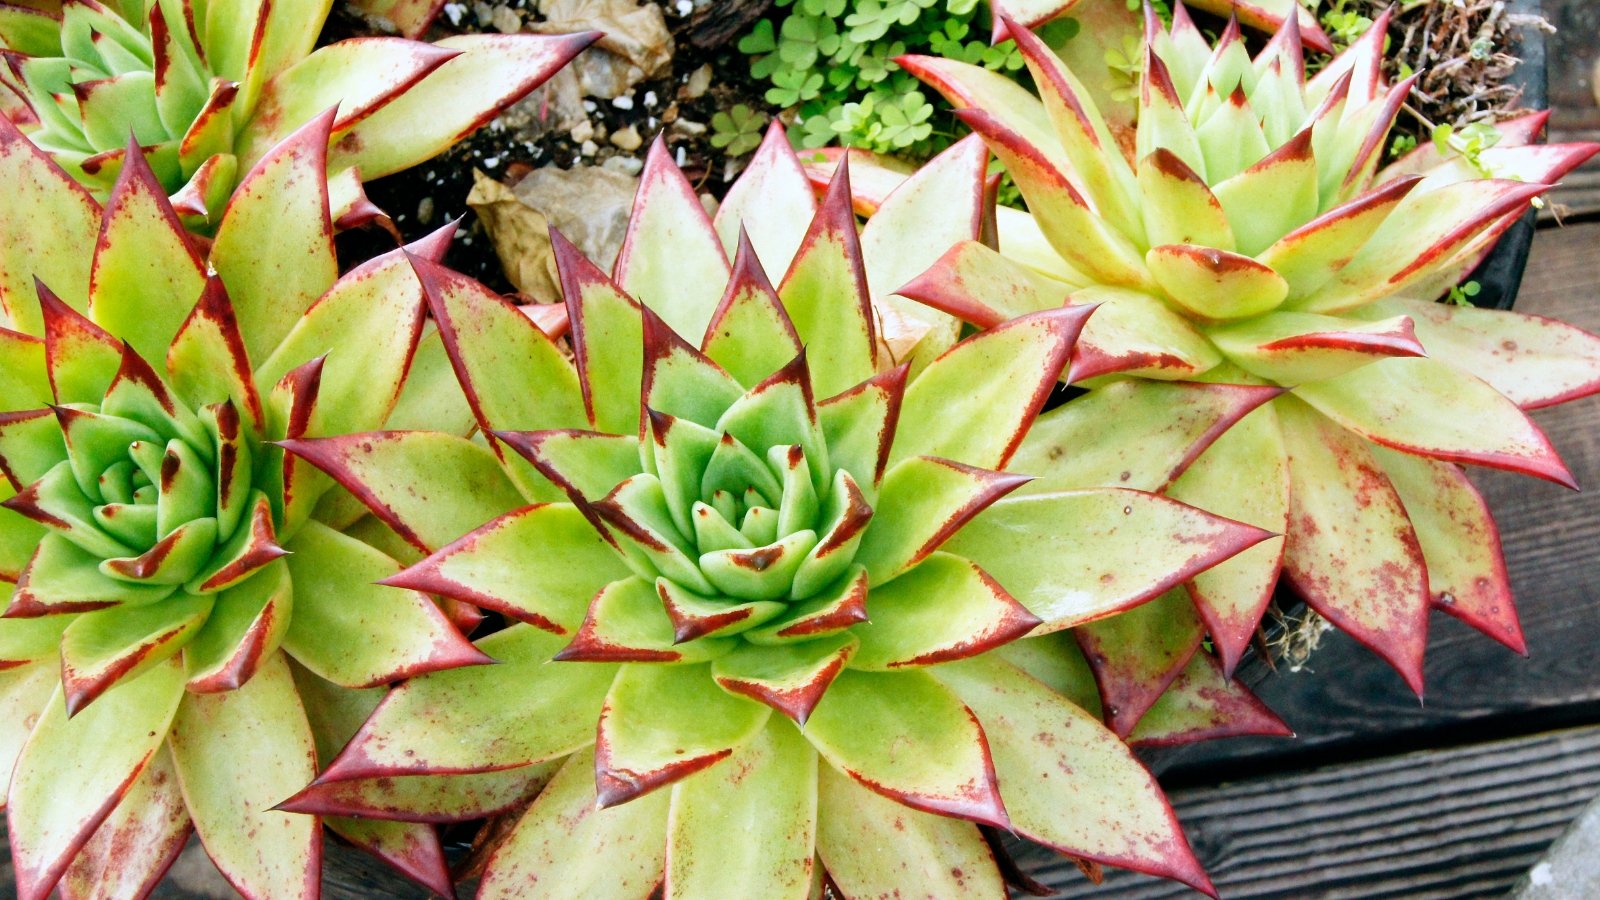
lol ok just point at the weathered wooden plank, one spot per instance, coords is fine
(1463, 822)
(1348, 702)
(1573, 55)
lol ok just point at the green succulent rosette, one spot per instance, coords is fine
(208, 88)
(193, 614)
(766, 589)
(1266, 344)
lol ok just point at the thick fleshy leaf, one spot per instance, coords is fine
(1288, 348)
(945, 857)
(47, 211)
(492, 72)
(1072, 557)
(1138, 652)
(424, 798)
(695, 615)
(393, 473)
(31, 444)
(238, 753)
(438, 725)
(146, 272)
(551, 852)
(1179, 208)
(771, 201)
(136, 844)
(81, 358)
(825, 294)
(607, 339)
(1268, 15)
(663, 723)
(971, 86)
(681, 381)
(1108, 808)
(860, 425)
(1001, 376)
(1460, 543)
(64, 578)
(208, 362)
(274, 246)
(791, 678)
(1433, 409)
(1352, 552)
(1135, 334)
(25, 641)
(72, 772)
(1202, 704)
(1274, 196)
(750, 335)
(1131, 433)
(541, 564)
(1533, 360)
(924, 502)
(627, 623)
(976, 284)
(245, 626)
(355, 632)
(671, 258)
(906, 736)
(639, 521)
(1213, 284)
(767, 791)
(1245, 477)
(102, 649)
(945, 608)
(833, 609)
(1310, 255)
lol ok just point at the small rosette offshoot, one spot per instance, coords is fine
(177, 576)
(207, 89)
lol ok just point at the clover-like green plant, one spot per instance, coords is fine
(758, 579)
(1252, 240)
(193, 613)
(208, 88)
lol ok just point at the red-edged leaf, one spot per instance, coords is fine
(133, 848)
(971, 614)
(47, 211)
(791, 678)
(208, 362)
(750, 334)
(80, 356)
(1202, 705)
(771, 201)
(1137, 653)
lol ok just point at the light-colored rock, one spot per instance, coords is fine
(698, 83)
(588, 204)
(1571, 869)
(627, 139)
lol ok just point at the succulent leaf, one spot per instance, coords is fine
(1203, 704)
(138, 842)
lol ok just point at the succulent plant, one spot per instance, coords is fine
(208, 88)
(1244, 236)
(1264, 14)
(766, 587)
(176, 575)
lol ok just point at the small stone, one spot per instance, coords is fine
(506, 20)
(581, 132)
(689, 127)
(708, 202)
(627, 165)
(650, 99)
(425, 210)
(454, 11)
(627, 139)
(685, 7)
(589, 148)
(698, 83)
(622, 101)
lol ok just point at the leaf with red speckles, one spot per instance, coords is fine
(825, 294)
(1201, 705)
(1057, 660)
(132, 849)
(1131, 433)
(245, 626)
(454, 100)
(367, 325)
(1352, 552)
(207, 360)
(540, 564)
(1132, 333)
(771, 201)
(46, 213)
(1100, 802)
(72, 772)
(944, 608)
(1075, 556)
(567, 845)
(430, 799)
(767, 790)
(274, 246)
(439, 725)
(1533, 360)
(146, 272)
(671, 259)
(1244, 476)
(102, 649)
(25, 691)
(993, 383)
(1290, 348)
(357, 633)
(923, 503)
(1311, 254)
(908, 737)
(395, 474)
(238, 753)
(791, 677)
(1137, 653)
(945, 857)
(1431, 408)
(1460, 542)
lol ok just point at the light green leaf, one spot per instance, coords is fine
(923, 503)
(130, 852)
(771, 202)
(113, 646)
(671, 259)
(48, 220)
(825, 294)
(943, 609)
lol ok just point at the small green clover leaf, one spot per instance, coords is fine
(791, 87)
(738, 130)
